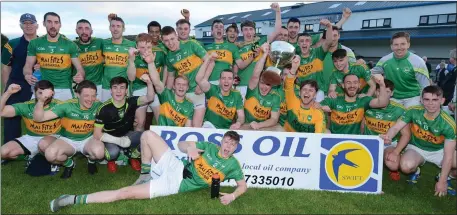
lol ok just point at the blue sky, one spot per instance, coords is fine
(136, 14)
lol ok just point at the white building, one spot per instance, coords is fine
(432, 25)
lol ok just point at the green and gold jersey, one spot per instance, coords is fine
(91, 58)
(33, 128)
(54, 59)
(172, 111)
(221, 109)
(7, 49)
(404, 73)
(361, 71)
(259, 108)
(283, 106)
(329, 67)
(379, 121)
(208, 164)
(311, 67)
(309, 120)
(77, 124)
(186, 61)
(346, 117)
(314, 39)
(116, 60)
(160, 60)
(227, 53)
(429, 134)
(141, 69)
(246, 53)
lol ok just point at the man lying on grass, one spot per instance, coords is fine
(175, 176)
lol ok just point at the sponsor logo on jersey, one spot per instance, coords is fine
(310, 68)
(78, 126)
(206, 171)
(116, 59)
(92, 58)
(378, 125)
(43, 128)
(218, 107)
(54, 61)
(257, 110)
(188, 64)
(223, 55)
(347, 118)
(168, 111)
(425, 135)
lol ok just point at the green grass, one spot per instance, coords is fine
(22, 194)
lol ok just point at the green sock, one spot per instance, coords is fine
(81, 199)
(123, 157)
(68, 162)
(145, 168)
(135, 153)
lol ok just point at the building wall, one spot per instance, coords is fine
(400, 18)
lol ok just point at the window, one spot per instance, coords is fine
(231, 17)
(283, 12)
(258, 30)
(245, 16)
(360, 3)
(335, 5)
(266, 13)
(438, 19)
(451, 18)
(221, 17)
(207, 34)
(309, 27)
(322, 27)
(376, 23)
(432, 19)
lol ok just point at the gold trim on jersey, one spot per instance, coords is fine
(259, 112)
(78, 126)
(426, 135)
(310, 68)
(43, 128)
(379, 126)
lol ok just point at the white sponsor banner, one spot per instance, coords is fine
(346, 163)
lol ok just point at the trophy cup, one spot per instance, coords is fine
(281, 54)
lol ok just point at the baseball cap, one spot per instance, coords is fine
(27, 17)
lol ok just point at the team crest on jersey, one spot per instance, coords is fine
(310, 117)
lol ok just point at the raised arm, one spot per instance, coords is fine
(39, 114)
(278, 23)
(346, 14)
(203, 82)
(8, 110)
(149, 58)
(131, 68)
(328, 34)
(254, 81)
(383, 98)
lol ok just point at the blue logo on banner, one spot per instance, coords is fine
(349, 165)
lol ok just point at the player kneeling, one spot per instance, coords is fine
(35, 131)
(176, 176)
(432, 140)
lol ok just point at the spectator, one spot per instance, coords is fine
(441, 73)
(429, 66)
(447, 80)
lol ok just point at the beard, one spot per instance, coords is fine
(85, 41)
(50, 34)
(350, 93)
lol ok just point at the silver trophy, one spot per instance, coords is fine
(281, 54)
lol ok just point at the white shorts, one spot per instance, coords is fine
(408, 102)
(435, 157)
(170, 170)
(208, 124)
(77, 145)
(30, 143)
(105, 94)
(60, 94)
(243, 90)
(143, 92)
(197, 100)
